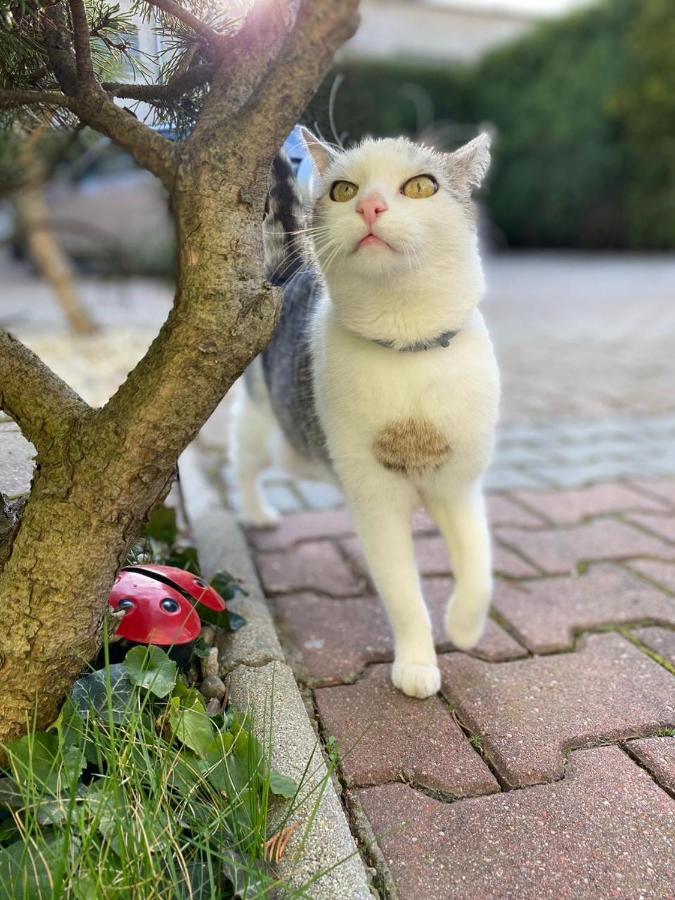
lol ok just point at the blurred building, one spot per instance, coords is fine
(442, 30)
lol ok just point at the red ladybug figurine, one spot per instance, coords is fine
(158, 604)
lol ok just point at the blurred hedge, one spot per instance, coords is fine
(585, 115)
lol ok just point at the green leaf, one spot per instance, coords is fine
(234, 621)
(227, 586)
(283, 786)
(162, 526)
(105, 693)
(34, 874)
(150, 668)
(190, 724)
(39, 761)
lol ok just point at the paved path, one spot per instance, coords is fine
(546, 765)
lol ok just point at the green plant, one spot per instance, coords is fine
(135, 791)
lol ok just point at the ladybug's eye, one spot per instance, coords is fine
(169, 605)
(125, 604)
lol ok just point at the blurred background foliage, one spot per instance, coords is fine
(583, 111)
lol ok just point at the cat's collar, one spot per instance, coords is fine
(442, 340)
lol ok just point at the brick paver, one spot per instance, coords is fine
(529, 712)
(334, 640)
(384, 736)
(606, 830)
(662, 574)
(660, 640)
(548, 612)
(572, 507)
(658, 756)
(569, 562)
(663, 526)
(561, 550)
(432, 558)
(313, 565)
(662, 488)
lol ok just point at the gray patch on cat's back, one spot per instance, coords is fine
(287, 367)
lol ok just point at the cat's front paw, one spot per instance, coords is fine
(464, 626)
(415, 680)
(260, 517)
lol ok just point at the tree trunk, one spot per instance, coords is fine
(96, 483)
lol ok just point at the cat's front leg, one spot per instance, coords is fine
(462, 519)
(381, 507)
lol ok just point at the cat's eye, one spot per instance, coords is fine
(342, 191)
(420, 186)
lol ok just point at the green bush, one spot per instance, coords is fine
(584, 113)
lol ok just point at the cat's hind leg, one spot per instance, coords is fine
(462, 520)
(251, 427)
(381, 505)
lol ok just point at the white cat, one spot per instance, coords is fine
(381, 372)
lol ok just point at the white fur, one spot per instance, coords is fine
(428, 283)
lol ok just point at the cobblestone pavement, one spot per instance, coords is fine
(545, 767)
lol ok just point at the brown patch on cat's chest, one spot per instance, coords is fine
(411, 445)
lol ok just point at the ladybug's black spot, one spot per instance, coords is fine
(169, 605)
(200, 582)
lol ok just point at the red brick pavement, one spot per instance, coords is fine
(530, 708)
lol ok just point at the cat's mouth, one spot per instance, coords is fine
(372, 240)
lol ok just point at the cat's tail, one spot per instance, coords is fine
(283, 223)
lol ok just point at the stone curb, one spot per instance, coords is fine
(260, 681)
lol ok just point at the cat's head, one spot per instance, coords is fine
(391, 206)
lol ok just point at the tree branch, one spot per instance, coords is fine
(95, 108)
(59, 51)
(321, 27)
(81, 40)
(172, 90)
(249, 54)
(12, 99)
(187, 18)
(41, 403)
(150, 150)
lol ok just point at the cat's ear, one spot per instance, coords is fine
(321, 153)
(469, 164)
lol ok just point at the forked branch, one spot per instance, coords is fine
(41, 403)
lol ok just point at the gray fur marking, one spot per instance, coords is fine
(287, 366)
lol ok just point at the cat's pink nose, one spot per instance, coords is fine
(370, 207)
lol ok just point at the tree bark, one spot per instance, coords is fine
(98, 472)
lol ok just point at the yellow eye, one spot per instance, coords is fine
(420, 186)
(342, 191)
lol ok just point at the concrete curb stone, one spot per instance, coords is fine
(261, 682)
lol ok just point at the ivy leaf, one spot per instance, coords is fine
(106, 692)
(150, 668)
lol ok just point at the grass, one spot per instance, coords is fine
(136, 793)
